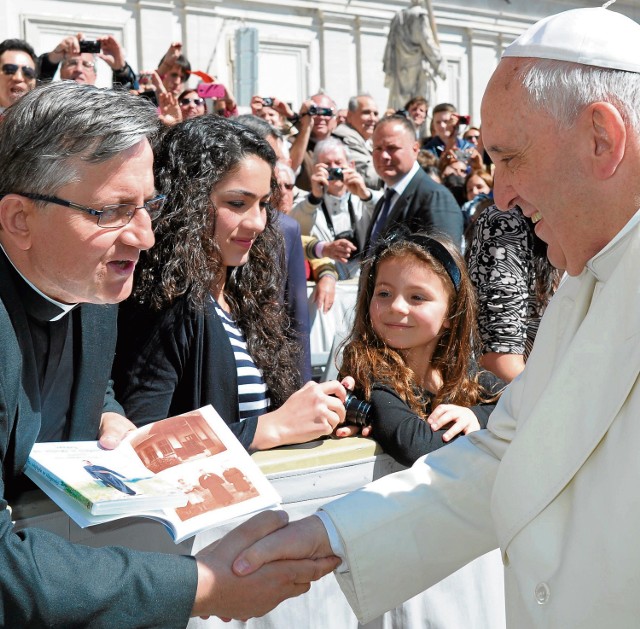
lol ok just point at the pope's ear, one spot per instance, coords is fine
(608, 139)
(14, 220)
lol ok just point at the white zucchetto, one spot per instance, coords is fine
(593, 37)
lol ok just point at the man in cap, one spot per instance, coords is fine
(76, 200)
(553, 479)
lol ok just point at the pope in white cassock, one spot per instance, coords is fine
(555, 479)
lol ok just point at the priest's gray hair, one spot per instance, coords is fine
(563, 89)
(53, 129)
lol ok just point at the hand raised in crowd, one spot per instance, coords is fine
(223, 593)
(355, 184)
(229, 100)
(111, 52)
(302, 539)
(463, 420)
(324, 293)
(319, 179)
(339, 250)
(69, 46)
(305, 120)
(257, 103)
(170, 112)
(170, 57)
(475, 159)
(311, 412)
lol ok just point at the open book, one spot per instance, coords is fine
(189, 472)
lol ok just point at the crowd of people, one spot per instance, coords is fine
(204, 225)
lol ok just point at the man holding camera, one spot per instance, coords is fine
(339, 206)
(316, 121)
(77, 56)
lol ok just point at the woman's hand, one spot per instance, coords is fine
(311, 412)
(350, 430)
(463, 420)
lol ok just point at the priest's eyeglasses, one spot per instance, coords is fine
(117, 215)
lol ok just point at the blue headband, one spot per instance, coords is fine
(430, 245)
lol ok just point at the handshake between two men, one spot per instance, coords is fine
(261, 563)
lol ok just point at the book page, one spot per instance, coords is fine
(197, 453)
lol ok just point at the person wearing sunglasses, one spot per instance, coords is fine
(17, 71)
(191, 105)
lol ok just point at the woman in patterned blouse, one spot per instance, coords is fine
(514, 281)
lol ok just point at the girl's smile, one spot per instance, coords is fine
(409, 308)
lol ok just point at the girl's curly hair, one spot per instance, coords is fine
(191, 159)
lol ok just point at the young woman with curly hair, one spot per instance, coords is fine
(206, 324)
(411, 350)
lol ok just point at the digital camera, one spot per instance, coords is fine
(336, 174)
(267, 101)
(320, 111)
(90, 46)
(357, 410)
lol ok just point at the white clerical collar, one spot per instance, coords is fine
(65, 308)
(605, 261)
(401, 185)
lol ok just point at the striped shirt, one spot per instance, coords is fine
(253, 396)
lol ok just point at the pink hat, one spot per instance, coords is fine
(593, 37)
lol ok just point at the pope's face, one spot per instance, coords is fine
(540, 168)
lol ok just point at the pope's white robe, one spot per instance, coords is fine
(554, 481)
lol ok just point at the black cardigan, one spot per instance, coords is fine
(174, 361)
(406, 436)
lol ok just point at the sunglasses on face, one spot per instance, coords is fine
(187, 101)
(11, 68)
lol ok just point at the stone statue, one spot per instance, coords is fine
(412, 56)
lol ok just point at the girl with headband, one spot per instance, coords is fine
(411, 351)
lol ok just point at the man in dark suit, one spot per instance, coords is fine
(410, 196)
(76, 199)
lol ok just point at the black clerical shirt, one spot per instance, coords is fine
(51, 330)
